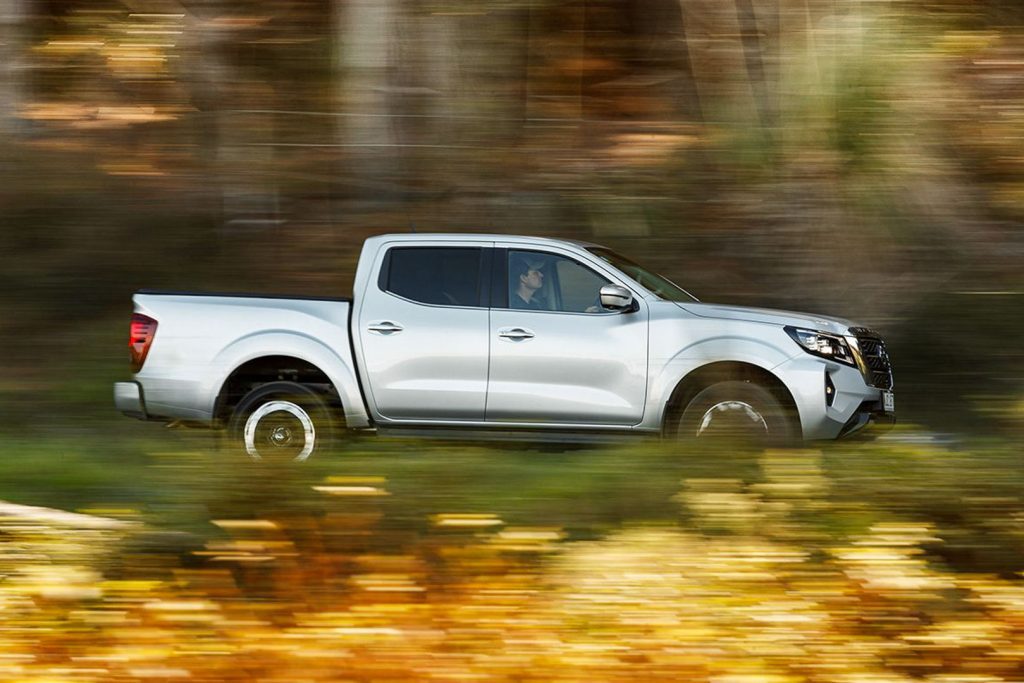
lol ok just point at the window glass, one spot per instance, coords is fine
(435, 275)
(660, 286)
(547, 282)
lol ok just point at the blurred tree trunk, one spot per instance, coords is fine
(366, 39)
(713, 35)
(693, 109)
(751, 40)
(235, 142)
(733, 54)
(14, 20)
(205, 71)
(426, 80)
(247, 153)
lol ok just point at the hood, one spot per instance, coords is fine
(771, 316)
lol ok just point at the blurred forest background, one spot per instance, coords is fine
(861, 158)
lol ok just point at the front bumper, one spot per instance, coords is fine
(869, 419)
(129, 400)
(853, 406)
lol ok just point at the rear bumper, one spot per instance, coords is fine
(129, 400)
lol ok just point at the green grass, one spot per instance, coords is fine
(177, 479)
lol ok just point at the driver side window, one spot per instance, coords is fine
(549, 282)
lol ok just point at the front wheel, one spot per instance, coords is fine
(282, 421)
(740, 411)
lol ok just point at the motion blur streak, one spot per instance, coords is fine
(862, 158)
(793, 576)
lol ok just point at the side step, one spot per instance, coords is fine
(517, 435)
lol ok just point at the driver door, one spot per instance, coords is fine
(565, 360)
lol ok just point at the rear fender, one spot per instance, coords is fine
(338, 367)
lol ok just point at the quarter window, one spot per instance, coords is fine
(434, 275)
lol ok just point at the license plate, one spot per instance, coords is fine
(888, 402)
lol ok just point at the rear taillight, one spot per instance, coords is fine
(141, 338)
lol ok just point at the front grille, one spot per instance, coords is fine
(876, 359)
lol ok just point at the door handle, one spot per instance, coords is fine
(515, 333)
(385, 327)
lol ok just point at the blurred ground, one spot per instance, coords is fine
(873, 562)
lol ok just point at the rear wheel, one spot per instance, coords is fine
(739, 411)
(281, 422)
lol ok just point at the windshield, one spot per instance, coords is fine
(656, 284)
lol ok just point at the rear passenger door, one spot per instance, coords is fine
(423, 328)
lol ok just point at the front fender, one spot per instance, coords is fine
(338, 366)
(759, 352)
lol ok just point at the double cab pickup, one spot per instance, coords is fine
(493, 336)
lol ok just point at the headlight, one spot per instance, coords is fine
(822, 344)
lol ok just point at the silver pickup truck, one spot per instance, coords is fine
(492, 336)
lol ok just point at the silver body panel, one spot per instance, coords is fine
(128, 398)
(201, 340)
(402, 363)
(575, 368)
(434, 367)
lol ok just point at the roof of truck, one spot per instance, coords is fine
(459, 236)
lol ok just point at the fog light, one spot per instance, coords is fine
(830, 390)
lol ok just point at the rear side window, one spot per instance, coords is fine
(434, 275)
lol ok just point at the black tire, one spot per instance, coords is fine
(740, 411)
(281, 422)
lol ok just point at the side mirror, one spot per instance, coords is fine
(616, 298)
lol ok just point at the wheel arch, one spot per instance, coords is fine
(271, 368)
(292, 353)
(706, 375)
